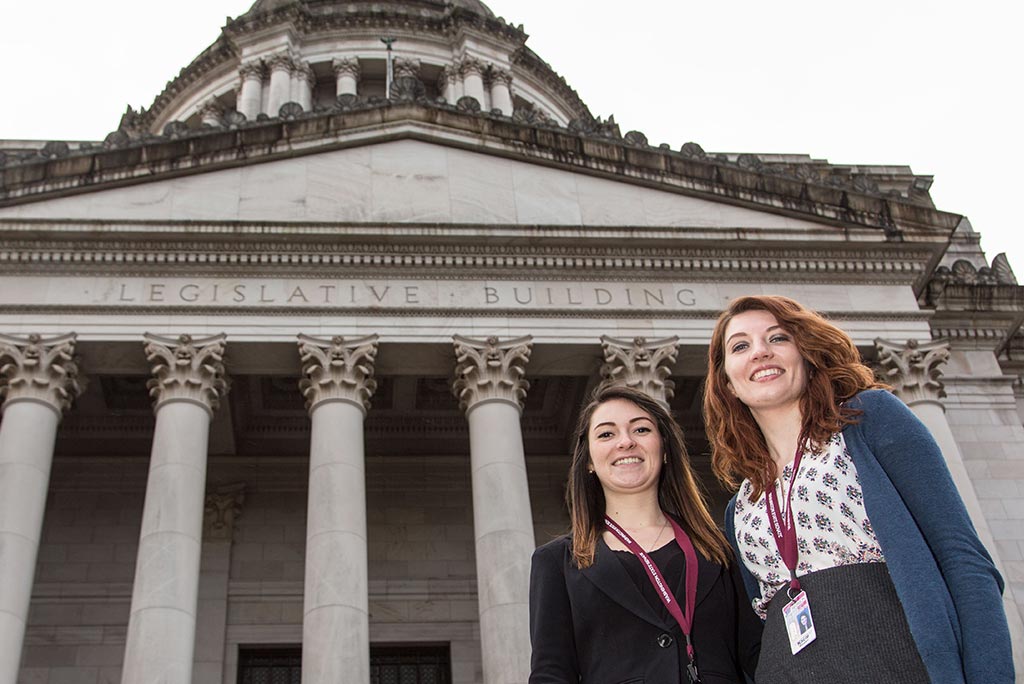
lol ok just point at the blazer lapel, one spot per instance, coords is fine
(707, 575)
(608, 575)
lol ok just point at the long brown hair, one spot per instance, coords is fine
(678, 491)
(835, 374)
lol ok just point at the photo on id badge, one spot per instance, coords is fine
(799, 624)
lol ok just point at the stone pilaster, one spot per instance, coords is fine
(641, 364)
(490, 387)
(281, 66)
(337, 384)
(448, 83)
(346, 73)
(250, 94)
(38, 381)
(187, 386)
(501, 90)
(223, 507)
(472, 71)
(303, 82)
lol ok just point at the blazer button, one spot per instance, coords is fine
(665, 640)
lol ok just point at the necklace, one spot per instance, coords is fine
(654, 544)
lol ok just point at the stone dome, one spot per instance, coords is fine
(335, 7)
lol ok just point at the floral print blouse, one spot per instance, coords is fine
(832, 527)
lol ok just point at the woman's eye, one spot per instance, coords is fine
(739, 346)
(780, 338)
(643, 430)
(602, 435)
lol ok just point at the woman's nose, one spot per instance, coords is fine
(761, 350)
(626, 440)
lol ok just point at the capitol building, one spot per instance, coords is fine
(290, 360)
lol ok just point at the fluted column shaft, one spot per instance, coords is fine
(473, 79)
(187, 385)
(501, 91)
(490, 387)
(250, 96)
(303, 80)
(280, 82)
(39, 379)
(338, 383)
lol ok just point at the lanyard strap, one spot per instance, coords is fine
(685, 620)
(781, 524)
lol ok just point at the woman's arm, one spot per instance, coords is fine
(551, 631)
(917, 469)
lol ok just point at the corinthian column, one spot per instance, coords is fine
(346, 71)
(250, 96)
(187, 386)
(501, 91)
(490, 387)
(38, 381)
(281, 66)
(641, 365)
(338, 383)
(472, 71)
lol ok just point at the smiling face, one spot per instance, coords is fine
(625, 448)
(762, 362)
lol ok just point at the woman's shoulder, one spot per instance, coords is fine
(558, 546)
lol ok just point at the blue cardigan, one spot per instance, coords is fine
(945, 579)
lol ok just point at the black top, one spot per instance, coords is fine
(671, 563)
(599, 625)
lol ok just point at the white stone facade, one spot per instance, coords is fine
(345, 347)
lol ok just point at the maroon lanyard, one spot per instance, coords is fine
(781, 525)
(685, 620)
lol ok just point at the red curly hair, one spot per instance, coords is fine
(835, 374)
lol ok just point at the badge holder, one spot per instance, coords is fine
(799, 624)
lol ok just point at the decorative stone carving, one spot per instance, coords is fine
(502, 76)
(531, 116)
(337, 369)
(234, 118)
(449, 74)
(491, 370)
(468, 104)
(914, 368)
(290, 111)
(963, 272)
(641, 365)
(132, 121)
(282, 61)
(347, 101)
(751, 162)
(407, 88)
(116, 139)
(596, 127)
(223, 507)
(471, 65)
(635, 139)
(862, 183)
(252, 70)
(39, 369)
(305, 70)
(211, 112)
(176, 129)
(186, 369)
(405, 66)
(55, 149)
(693, 151)
(346, 66)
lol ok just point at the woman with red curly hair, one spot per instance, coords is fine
(856, 548)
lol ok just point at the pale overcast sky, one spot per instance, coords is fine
(930, 84)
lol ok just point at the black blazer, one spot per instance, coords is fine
(594, 626)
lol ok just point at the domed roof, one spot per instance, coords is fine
(343, 7)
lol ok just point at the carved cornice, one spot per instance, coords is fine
(491, 370)
(337, 369)
(913, 368)
(641, 365)
(41, 369)
(223, 507)
(186, 369)
(184, 151)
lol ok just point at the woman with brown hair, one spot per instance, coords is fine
(855, 545)
(644, 587)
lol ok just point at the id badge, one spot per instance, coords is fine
(799, 625)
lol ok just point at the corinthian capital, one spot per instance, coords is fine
(641, 365)
(283, 61)
(346, 66)
(34, 368)
(487, 370)
(253, 69)
(186, 369)
(337, 369)
(914, 368)
(471, 65)
(405, 66)
(502, 76)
